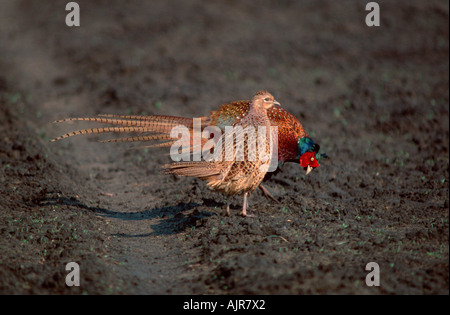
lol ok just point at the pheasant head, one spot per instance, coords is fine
(264, 100)
(309, 156)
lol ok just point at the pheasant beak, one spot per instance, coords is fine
(308, 169)
(276, 103)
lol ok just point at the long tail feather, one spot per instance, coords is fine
(154, 123)
(101, 130)
(131, 123)
(160, 124)
(174, 120)
(139, 138)
(121, 122)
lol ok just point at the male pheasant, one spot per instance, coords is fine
(294, 144)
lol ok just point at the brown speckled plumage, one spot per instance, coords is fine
(289, 127)
(235, 177)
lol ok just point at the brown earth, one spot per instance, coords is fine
(376, 99)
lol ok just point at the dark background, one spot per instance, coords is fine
(375, 98)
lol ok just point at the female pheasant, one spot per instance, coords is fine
(294, 144)
(234, 176)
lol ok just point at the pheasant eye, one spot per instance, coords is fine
(266, 99)
(312, 159)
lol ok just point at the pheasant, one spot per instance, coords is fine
(237, 176)
(294, 144)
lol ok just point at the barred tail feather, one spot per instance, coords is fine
(131, 123)
(153, 123)
(202, 170)
(101, 130)
(140, 138)
(172, 120)
(121, 122)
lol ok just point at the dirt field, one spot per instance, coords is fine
(375, 98)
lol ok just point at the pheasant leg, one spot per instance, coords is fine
(267, 193)
(244, 206)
